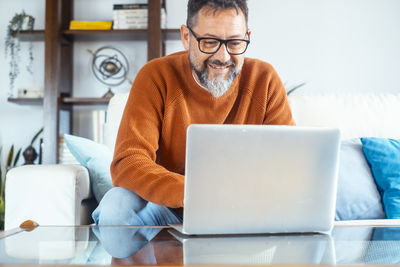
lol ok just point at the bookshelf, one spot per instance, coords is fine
(58, 41)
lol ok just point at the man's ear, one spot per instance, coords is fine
(185, 37)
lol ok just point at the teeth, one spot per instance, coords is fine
(215, 67)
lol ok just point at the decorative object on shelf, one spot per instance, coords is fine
(30, 153)
(30, 92)
(110, 66)
(10, 163)
(20, 21)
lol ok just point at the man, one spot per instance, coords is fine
(210, 82)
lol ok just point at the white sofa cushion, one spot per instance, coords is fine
(356, 114)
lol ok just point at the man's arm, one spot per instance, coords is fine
(134, 165)
(278, 109)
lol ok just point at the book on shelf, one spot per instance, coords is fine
(130, 13)
(90, 25)
(130, 17)
(135, 18)
(137, 5)
(130, 27)
(129, 6)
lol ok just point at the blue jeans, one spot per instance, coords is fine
(121, 206)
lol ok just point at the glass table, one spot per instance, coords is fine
(129, 245)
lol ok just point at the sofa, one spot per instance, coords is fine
(66, 194)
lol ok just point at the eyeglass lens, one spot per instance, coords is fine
(233, 46)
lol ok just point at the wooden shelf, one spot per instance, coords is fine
(65, 100)
(94, 35)
(89, 35)
(121, 35)
(35, 35)
(85, 100)
(25, 100)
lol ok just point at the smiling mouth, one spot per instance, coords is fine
(219, 68)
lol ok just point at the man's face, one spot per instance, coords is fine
(217, 71)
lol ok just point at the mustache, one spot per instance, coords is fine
(220, 63)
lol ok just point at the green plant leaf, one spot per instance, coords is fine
(13, 46)
(17, 157)
(36, 135)
(10, 157)
(3, 189)
(1, 148)
(2, 208)
(294, 88)
(1, 179)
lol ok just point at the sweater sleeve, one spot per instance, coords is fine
(134, 164)
(278, 111)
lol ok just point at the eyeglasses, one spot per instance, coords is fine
(210, 45)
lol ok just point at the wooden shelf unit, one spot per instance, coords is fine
(58, 41)
(25, 100)
(34, 35)
(64, 101)
(39, 35)
(85, 101)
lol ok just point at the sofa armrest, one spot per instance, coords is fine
(46, 194)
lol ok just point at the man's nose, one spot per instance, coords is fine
(222, 54)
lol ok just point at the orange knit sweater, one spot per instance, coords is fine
(149, 157)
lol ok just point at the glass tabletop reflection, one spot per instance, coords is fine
(129, 245)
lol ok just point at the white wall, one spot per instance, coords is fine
(347, 45)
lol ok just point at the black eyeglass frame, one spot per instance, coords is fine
(221, 41)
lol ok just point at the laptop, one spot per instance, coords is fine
(304, 249)
(251, 179)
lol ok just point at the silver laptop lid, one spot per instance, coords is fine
(260, 179)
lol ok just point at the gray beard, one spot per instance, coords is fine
(216, 88)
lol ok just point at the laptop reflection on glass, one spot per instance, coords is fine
(297, 249)
(248, 179)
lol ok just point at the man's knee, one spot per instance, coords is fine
(119, 206)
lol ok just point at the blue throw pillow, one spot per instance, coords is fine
(383, 155)
(96, 158)
(357, 195)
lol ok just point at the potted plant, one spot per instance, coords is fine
(20, 21)
(10, 163)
